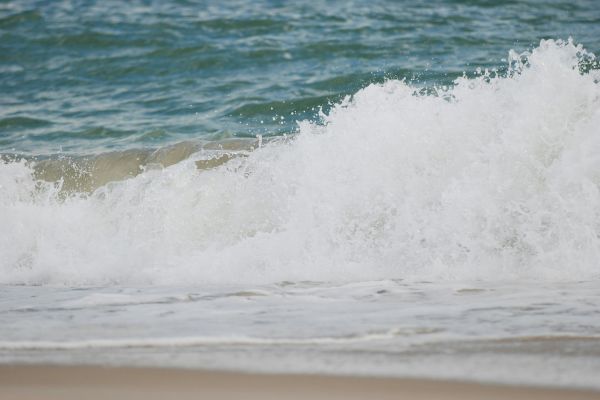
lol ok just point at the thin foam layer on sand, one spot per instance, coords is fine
(82, 382)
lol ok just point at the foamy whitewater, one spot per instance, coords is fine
(449, 232)
(494, 178)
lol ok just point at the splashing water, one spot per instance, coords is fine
(494, 178)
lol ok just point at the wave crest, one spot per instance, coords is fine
(494, 178)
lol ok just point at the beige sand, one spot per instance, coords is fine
(95, 383)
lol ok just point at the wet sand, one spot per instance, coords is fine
(77, 382)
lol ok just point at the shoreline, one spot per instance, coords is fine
(95, 383)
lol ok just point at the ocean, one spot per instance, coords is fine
(361, 187)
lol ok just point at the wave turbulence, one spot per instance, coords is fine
(496, 177)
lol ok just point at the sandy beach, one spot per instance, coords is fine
(86, 382)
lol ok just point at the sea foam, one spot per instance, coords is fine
(494, 178)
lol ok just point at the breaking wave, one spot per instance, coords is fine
(494, 178)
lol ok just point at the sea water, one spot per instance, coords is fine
(383, 188)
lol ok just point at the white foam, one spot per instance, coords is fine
(173, 342)
(496, 178)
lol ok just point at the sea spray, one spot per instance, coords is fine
(495, 178)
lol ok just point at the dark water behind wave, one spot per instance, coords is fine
(86, 77)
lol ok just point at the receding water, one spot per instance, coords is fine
(545, 334)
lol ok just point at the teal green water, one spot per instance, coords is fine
(84, 77)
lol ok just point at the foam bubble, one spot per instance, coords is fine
(494, 178)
